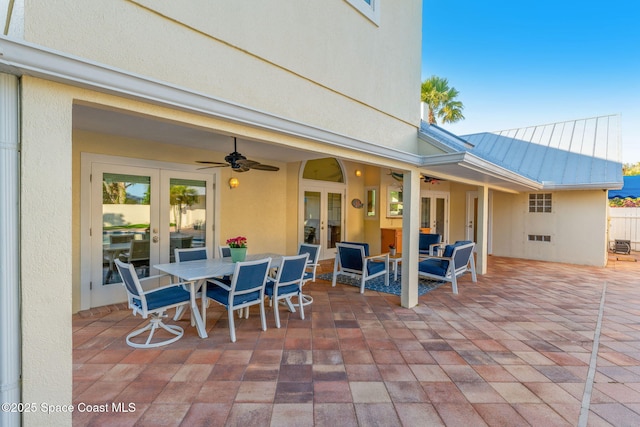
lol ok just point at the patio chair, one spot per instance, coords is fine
(353, 259)
(287, 283)
(428, 242)
(225, 252)
(138, 255)
(247, 289)
(153, 303)
(312, 265)
(456, 259)
(186, 255)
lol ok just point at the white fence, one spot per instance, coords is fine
(624, 224)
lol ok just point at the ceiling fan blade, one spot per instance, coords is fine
(207, 162)
(262, 167)
(247, 163)
(213, 166)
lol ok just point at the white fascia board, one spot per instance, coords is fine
(23, 58)
(592, 186)
(473, 162)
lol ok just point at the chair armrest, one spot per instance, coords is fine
(435, 247)
(381, 256)
(171, 285)
(157, 276)
(217, 283)
(445, 258)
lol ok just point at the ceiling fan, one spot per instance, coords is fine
(238, 162)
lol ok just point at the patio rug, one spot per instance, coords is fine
(377, 284)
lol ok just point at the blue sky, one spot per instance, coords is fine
(518, 64)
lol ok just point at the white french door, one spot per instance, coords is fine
(141, 215)
(323, 218)
(472, 219)
(434, 212)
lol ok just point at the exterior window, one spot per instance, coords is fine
(369, 8)
(540, 202)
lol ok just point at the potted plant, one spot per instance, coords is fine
(392, 249)
(238, 248)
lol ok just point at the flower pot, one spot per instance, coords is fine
(392, 251)
(238, 254)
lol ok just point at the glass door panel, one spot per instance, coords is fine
(323, 219)
(434, 213)
(312, 217)
(334, 219)
(187, 214)
(126, 217)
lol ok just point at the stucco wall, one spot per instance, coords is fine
(46, 245)
(320, 63)
(577, 226)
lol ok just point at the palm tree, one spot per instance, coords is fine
(440, 98)
(181, 197)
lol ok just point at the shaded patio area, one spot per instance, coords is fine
(513, 349)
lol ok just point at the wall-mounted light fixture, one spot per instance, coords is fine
(233, 183)
(358, 173)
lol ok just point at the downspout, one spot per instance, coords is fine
(10, 329)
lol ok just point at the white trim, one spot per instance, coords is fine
(10, 327)
(86, 162)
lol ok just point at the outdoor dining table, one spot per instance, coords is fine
(112, 250)
(197, 272)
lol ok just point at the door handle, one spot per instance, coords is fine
(155, 239)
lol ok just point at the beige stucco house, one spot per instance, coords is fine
(137, 92)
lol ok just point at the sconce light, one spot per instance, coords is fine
(358, 173)
(233, 183)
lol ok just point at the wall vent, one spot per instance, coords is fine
(539, 238)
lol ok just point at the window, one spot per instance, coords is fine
(394, 202)
(369, 8)
(540, 202)
(370, 203)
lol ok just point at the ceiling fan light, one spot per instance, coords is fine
(233, 183)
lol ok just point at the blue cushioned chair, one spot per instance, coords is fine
(154, 303)
(456, 259)
(312, 264)
(354, 259)
(287, 283)
(428, 243)
(247, 288)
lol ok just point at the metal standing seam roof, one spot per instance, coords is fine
(577, 154)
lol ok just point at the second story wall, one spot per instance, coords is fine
(319, 63)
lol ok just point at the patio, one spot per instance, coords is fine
(513, 349)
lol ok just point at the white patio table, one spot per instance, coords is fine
(196, 272)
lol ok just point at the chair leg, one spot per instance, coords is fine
(263, 316)
(154, 323)
(301, 304)
(335, 272)
(473, 268)
(454, 283)
(232, 326)
(179, 312)
(276, 313)
(362, 280)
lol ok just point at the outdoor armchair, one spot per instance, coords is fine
(312, 265)
(287, 283)
(354, 259)
(456, 259)
(153, 303)
(428, 242)
(246, 289)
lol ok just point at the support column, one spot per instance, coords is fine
(410, 237)
(10, 366)
(482, 247)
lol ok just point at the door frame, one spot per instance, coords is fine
(436, 195)
(323, 187)
(471, 216)
(87, 160)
